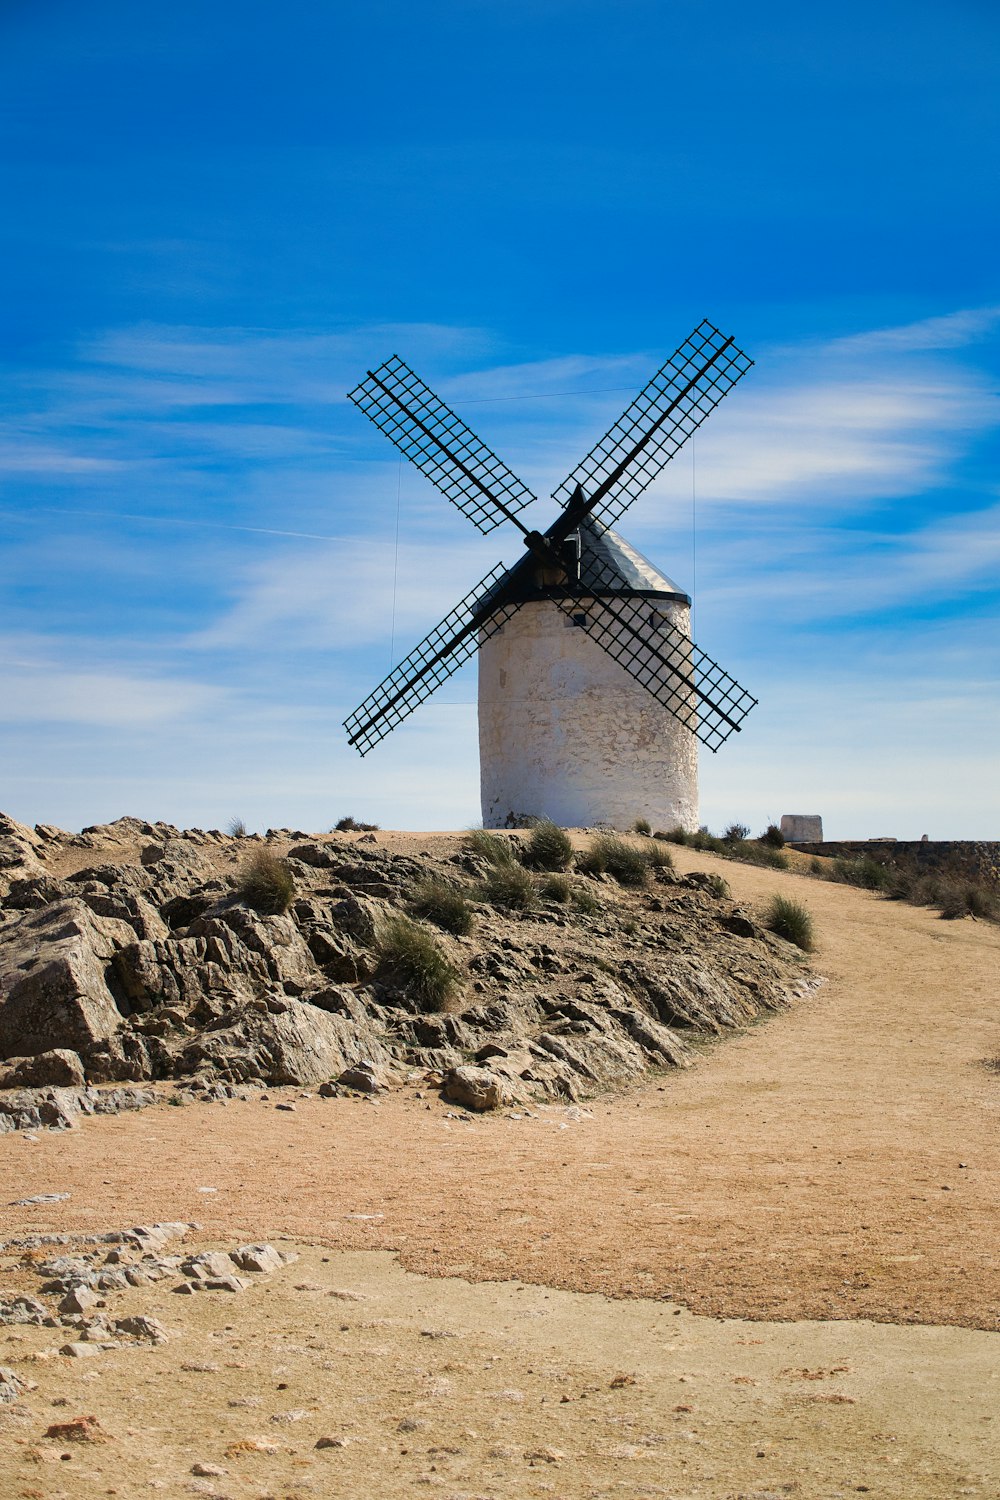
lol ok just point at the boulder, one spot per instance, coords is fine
(59, 1067)
(54, 992)
(362, 1077)
(476, 1088)
(297, 1043)
(20, 848)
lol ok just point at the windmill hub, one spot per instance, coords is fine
(592, 695)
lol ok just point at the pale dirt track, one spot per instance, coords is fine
(840, 1160)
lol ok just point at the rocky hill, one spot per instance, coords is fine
(128, 955)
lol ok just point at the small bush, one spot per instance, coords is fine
(816, 866)
(351, 825)
(413, 957)
(643, 826)
(674, 836)
(443, 905)
(866, 873)
(511, 886)
(719, 887)
(549, 847)
(620, 859)
(736, 833)
(266, 883)
(773, 836)
(753, 853)
(704, 840)
(791, 920)
(236, 828)
(657, 855)
(962, 898)
(584, 900)
(492, 847)
(558, 888)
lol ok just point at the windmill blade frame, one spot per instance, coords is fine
(438, 442)
(671, 406)
(662, 659)
(452, 642)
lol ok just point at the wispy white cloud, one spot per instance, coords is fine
(347, 596)
(952, 331)
(37, 690)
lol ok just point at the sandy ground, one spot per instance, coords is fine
(837, 1162)
(433, 1385)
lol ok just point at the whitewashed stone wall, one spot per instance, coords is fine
(566, 733)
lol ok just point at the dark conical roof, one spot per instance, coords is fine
(609, 565)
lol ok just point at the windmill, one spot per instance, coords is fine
(592, 695)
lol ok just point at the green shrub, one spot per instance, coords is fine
(614, 855)
(549, 847)
(266, 883)
(817, 866)
(511, 886)
(704, 840)
(558, 888)
(643, 826)
(674, 836)
(754, 853)
(965, 898)
(867, 873)
(657, 855)
(351, 825)
(415, 960)
(492, 847)
(584, 900)
(791, 920)
(773, 836)
(736, 833)
(719, 887)
(443, 905)
(982, 900)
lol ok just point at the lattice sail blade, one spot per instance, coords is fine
(448, 647)
(431, 436)
(660, 420)
(678, 674)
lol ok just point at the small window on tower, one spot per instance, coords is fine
(580, 621)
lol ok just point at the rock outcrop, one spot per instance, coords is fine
(126, 956)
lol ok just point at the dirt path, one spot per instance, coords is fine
(837, 1161)
(493, 1392)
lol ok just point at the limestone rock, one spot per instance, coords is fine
(59, 1066)
(53, 985)
(363, 1077)
(259, 1258)
(11, 1386)
(18, 1307)
(148, 1330)
(476, 1088)
(300, 1045)
(20, 850)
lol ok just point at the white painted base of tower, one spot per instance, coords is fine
(566, 733)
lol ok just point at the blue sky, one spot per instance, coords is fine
(219, 216)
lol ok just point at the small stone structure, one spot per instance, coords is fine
(802, 828)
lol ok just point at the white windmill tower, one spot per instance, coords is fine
(592, 695)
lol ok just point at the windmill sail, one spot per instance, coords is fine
(625, 621)
(431, 436)
(678, 674)
(448, 647)
(659, 421)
